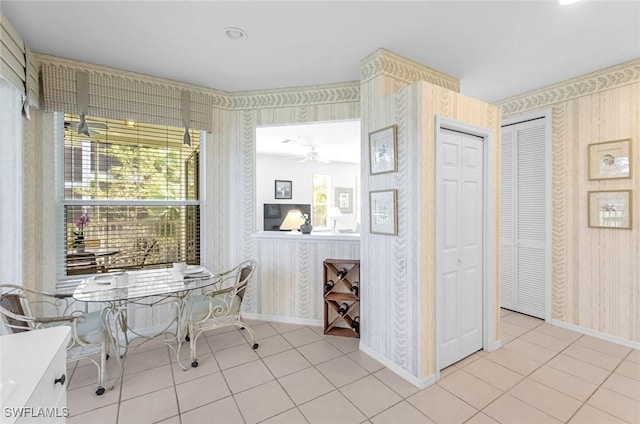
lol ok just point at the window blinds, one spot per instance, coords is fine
(123, 97)
(17, 63)
(131, 197)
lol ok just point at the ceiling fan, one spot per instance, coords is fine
(88, 128)
(310, 155)
(313, 155)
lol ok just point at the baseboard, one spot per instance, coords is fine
(493, 345)
(598, 335)
(284, 319)
(420, 383)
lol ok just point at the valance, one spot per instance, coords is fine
(17, 63)
(114, 96)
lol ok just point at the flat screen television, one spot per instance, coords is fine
(274, 214)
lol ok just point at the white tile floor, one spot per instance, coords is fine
(543, 374)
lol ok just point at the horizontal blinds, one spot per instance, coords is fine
(125, 237)
(17, 64)
(131, 197)
(117, 97)
(12, 53)
(118, 162)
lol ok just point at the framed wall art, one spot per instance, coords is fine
(383, 145)
(343, 199)
(609, 209)
(283, 189)
(610, 159)
(383, 214)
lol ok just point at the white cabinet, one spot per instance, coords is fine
(33, 380)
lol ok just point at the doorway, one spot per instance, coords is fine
(464, 272)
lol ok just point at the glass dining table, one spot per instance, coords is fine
(153, 287)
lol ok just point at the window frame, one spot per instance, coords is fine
(62, 202)
(327, 204)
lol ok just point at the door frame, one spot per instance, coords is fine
(489, 228)
(547, 115)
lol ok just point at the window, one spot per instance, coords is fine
(131, 197)
(320, 204)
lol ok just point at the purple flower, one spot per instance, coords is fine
(82, 222)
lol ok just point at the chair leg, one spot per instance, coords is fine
(192, 346)
(254, 345)
(102, 369)
(107, 349)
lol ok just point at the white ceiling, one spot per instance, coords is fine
(496, 49)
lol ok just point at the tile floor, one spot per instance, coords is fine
(543, 374)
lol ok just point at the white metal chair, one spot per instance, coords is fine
(222, 307)
(23, 309)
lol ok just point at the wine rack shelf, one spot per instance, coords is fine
(341, 288)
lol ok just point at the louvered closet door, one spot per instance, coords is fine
(522, 218)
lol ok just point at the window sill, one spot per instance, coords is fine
(296, 236)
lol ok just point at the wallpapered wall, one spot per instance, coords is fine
(603, 296)
(400, 270)
(595, 272)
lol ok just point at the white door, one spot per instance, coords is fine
(459, 245)
(523, 209)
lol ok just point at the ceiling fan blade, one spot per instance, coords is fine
(91, 124)
(304, 160)
(323, 160)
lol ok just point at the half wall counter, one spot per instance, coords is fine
(288, 283)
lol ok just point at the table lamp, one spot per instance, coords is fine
(292, 221)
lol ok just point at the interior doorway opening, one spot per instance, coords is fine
(319, 166)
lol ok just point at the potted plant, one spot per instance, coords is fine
(78, 235)
(306, 227)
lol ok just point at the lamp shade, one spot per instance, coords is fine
(335, 212)
(293, 220)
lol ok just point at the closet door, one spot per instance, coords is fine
(459, 245)
(523, 244)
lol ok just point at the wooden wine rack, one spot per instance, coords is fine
(334, 323)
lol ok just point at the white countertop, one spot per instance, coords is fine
(295, 236)
(22, 365)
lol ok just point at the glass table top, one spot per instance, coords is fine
(143, 283)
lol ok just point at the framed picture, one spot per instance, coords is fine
(283, 189)
(344, 199)
(383, 217)
(382, 151)
(609, 209)
(611, 159)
